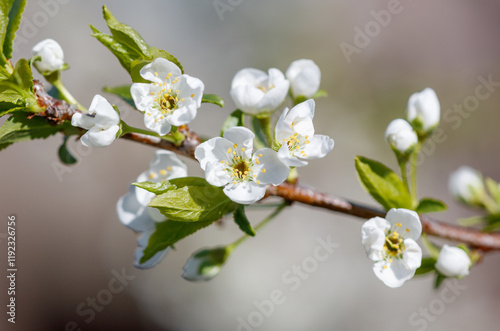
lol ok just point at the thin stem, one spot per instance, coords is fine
(66, 95)
(260, 225)
(130, 129)
(404, 175)
(265, 122)
(413, 174)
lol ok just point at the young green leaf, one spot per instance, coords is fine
(156, 188)
(235, 119)
(122, 53)
(64, 154)
(471, 221)
(167, 233)
(19, 128)
(439, 280)
(197, 201)
(432, 249)
(123, 92)
(213, 98)
(126, 36)
(160, 53)
(241, 219)
(383, 184)
(429, 205)
(22, 76)
(15, 14)
(494, 189)
(426, 266)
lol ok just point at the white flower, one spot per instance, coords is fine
(391, 244)
(171, 99)
(305, 77)
(102, 123)
(466, 184)
(453, 262)
(52, 56)
(255, 92)
(295, 133)
(424, 110)
(400, 136)
(229, 162)
(133, 210)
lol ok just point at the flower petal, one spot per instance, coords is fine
(305, 77)
(153, 121)
(412, 255)
(165, 159)
(188, 86)
(245, 192)
(411, 227)
(96, 137)
(373, 237)
(394, 275)
(246, 98)
(242, 137)
(141, 94)
(143, 196)
(248, 76)
(213, 150)
(318, 147)
(133, 214)
(83, 121)
(300, 118)
(184, 114)
(271, 169)
(105, 115)
(162, 67)
(216, 174)
(142, 242)
(290, 160)
(274, 97)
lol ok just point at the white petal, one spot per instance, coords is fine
(216, 174)
(156, 124)
(96, 137)
(288, 159)
(412, 255)
(51, 53)
(453, 262)
(283, 129)
(395, 275)
(411, 227)
(105, 115)
(248, 76)
(245, 192)
(318, 147)
(246, 98)
(162, 67)
(184, 114)
(82, 121)
(142, 242)
(373, 237)
(141, 94)
(466, 184)
(400, 135)
(143, 196)
(304, 76)
(164, 159)
(300, 118)
(242, 137)
(425, 106)
(273, 98)
(397, 125)
(213, 150)
(132, 214)
(156, 215)
(188, 86)
(275, 171)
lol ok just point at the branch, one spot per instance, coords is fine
(58, 111)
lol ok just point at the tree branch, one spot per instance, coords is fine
(58, 111)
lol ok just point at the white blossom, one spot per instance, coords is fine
(391, 244)
(229, 162)
(255, 92)
(305, 77)
(170, 99)
(52, 56)
(424, 110)
(295, 134)
(101, 122)
(401, 136)
(466, 184)
(133, 210)
(453, 262)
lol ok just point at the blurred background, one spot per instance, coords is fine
(71, 244)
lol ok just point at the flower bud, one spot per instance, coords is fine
(424, 111)
(466, 184)
(304, 76)
(453, 262)
(52, 56)
(205, 264)
(400, 136)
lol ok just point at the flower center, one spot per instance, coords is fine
(296, 143)
(241, 168)
(265, 88)
(394, 244)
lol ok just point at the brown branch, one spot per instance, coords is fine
(58, 111)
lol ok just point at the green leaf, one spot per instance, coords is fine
(426, 266)
(235, 119)
(439, 280)
(261, 139)
(432, 249)
(241, 219)
(494, 189)
(22, 76)
(471, 221)
(160, 53)
(383, 184)
(167, 233)
(14, 22)
(156, 188)
(120, 51)
(429, 205)
(64, 154)
(5, 7)
(196, 201)
(126, 36)
(19, 128)
(123, 92)
(213, 98)
(320, 94)
(493, 223)
(205, 264)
